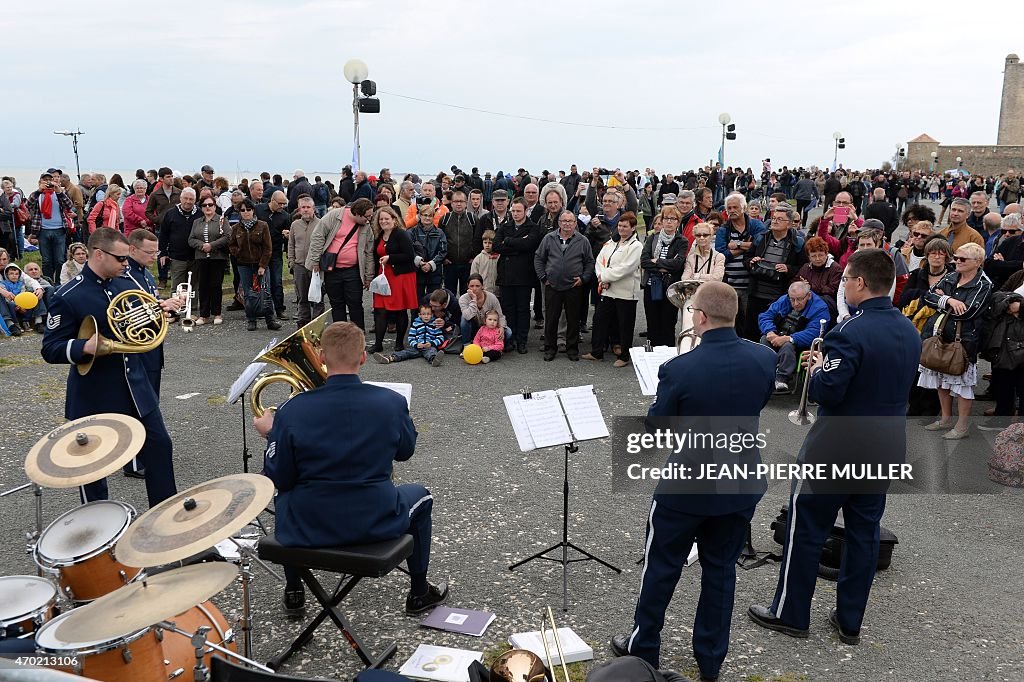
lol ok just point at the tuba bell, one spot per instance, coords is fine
(137, 321)
(299, 356)
(680, 294)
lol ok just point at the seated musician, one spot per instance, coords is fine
(334, 485)
(790, 325)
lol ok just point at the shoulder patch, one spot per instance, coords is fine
(831, 364)
(52, 321)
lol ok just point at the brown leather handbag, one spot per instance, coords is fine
(941, 356)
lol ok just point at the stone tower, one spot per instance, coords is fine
(1011, 112)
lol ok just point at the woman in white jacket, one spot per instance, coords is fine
(618, 284)
(704, 263)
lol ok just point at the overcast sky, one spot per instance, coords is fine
(260, 84)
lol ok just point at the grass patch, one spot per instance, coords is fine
(215, 400)
(577, 671)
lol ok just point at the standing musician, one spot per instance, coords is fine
(870, 364)
(335, 489)
(117, 382)
(692, 388)
(143, 249)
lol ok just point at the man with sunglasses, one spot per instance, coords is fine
(1008, 255)
(117, 382)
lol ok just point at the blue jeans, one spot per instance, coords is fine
(410, 352)
(470, 327)
(53, 248)
(277, 281)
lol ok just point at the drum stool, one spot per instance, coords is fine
(355, 562)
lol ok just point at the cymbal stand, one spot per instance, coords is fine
(246, 456)
(203, 647)
(246, 556)
(31, 538)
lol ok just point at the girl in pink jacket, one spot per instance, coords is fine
(490, 337)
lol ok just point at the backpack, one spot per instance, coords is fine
(1006, 465)
(321, 195)
(626, 669)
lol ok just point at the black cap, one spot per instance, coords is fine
(51, 171)
(207, 169)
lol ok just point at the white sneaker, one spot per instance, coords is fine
(485, 359)
(218, 320)
(200, 321)
(781, 387)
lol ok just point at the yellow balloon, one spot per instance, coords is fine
(472, 354)
(26, 300)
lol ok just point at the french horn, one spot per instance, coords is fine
(299, 356)
(137, 322)
(680, 294)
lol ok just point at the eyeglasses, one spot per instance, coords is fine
(245, 209)
(120, 259)
(922, 234)
(961, 259)
(208, 205)
(847, 278)
(690, 309)
(702, 236)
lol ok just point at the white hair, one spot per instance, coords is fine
(190, 191)
(140, 181)
(1010, 220)
(299, 173)
(736, 196)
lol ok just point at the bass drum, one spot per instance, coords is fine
(179, 655)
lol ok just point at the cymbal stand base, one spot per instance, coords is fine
(169, 626)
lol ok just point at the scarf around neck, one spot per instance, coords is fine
(47, 204)
(248, 224)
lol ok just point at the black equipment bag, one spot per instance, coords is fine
(832, 552)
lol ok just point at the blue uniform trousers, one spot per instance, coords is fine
(811, 518)
(154, 378)
(155, 457)
(421, 525)
(670, 534)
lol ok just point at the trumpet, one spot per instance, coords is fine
(136, 319)
(800, 416)
(520, 665)
(185, 292)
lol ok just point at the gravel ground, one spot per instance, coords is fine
(948, 608)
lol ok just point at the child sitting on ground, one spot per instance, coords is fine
(490, 337)
(16, 318)
(423, 341)
(485, 263)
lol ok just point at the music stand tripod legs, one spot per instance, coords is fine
(565, 545)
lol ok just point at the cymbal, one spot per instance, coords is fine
(147, 602)
(194, 520)
(84, 450)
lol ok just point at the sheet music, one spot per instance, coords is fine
(647, 363)
(583, 413)
(244, 381)
(404, 390)
(513, 405)
(543, 414)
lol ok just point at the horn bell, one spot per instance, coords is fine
(299, 356)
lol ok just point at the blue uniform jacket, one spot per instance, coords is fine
(725, 378)
(330, 454)
(816, 309)
(143, 278)
(117, 382)
(870, 364)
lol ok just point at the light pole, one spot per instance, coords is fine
(959, 167)
(840, 144)
(356, 72)
(74, 145)
(935, 160)
(727, 134)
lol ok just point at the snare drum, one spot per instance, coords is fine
(179, 653)
(79, 545)
(137, 657)
(26, 602)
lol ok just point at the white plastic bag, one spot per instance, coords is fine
(380, 285)
(316, 294)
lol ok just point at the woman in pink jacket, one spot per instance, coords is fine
(106, 213)
(134, 209)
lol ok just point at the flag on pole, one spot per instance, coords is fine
(721, 155)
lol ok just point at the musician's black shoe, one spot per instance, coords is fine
(141, 473)
(434, 596)
(294, 601)
(251, 325)
(620, 645)
(844, 637)
(573, 355)
(763, 616)
(273, 325)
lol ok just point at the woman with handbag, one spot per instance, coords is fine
(252, 247)
(949, 357)
(662, 262)
(396, 260)
(209, 237)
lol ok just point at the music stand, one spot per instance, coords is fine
(581, 418)
(237, 390)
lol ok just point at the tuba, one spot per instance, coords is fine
(299, 356)
(135, 318)
(679, 294)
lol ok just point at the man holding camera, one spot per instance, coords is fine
(49, 211)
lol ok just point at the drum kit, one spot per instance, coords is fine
(131, 617)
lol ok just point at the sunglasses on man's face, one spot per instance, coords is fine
(922, 235)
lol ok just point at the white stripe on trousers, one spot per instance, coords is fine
(789, 548)
(647, 553)
(412, 509)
